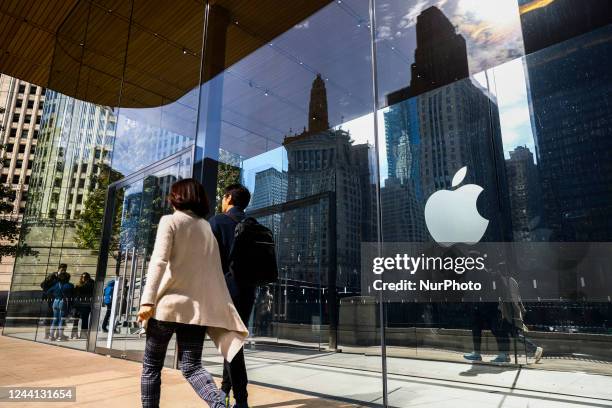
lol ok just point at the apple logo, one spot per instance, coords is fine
(451, 216)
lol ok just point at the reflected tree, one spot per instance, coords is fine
(90, 221)
(228, 174)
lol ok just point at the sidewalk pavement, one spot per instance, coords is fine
(113, 383)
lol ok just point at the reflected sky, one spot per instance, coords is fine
(508, 83)
(491, 29)
(266, 94)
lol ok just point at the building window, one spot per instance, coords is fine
(21, 88)
(32, 90)
(35, 134)
(9, 147)
(3, 179)
(16, 117)
(16, 179)
(22, 148)
(19, 164)
(30, 104)
(28, 119)
(19, 103)
(14, 132)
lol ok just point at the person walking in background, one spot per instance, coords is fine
(264, 311)
(185, 293)
(61, 293)
(50, 281)
(235, 200)
(108, 302)
(513, 312)
(83, 293)
(487, 315)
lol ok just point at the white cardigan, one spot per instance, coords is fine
(185, 281)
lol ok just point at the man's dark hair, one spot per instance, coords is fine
(62, 266)
(189, 195)
(240, 195)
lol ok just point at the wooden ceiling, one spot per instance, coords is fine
(83, 48)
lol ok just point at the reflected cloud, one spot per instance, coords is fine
(491, 29)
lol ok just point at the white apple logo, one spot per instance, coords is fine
(451, 216)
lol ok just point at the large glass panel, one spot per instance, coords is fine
(287, 110)
(139, 203)
(114, 53)
(457, 91)
(62, 222)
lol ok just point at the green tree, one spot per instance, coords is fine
(227, 175)
(91, 220)
(10, 227)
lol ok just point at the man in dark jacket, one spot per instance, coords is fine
(235, 200)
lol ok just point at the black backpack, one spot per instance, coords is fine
(252, 258)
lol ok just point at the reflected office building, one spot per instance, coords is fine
(572, 133)
(342, 127)
(325, 162)
(447, 122)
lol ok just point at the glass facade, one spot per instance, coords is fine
(342, 118)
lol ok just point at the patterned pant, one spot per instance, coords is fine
(190, 340)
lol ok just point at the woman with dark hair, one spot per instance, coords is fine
(83, 292)
(185, 293)
(61, 293)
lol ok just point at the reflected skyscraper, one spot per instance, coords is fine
(270, 189)
(440, 57)
(323, 160)
(525, 194)
(445, 125)
(546, 23)
(571, 102)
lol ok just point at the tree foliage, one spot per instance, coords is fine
(91, 220)
(228, 174)
(10, 227)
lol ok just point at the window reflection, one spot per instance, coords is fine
(435, 127)
(435, 42)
